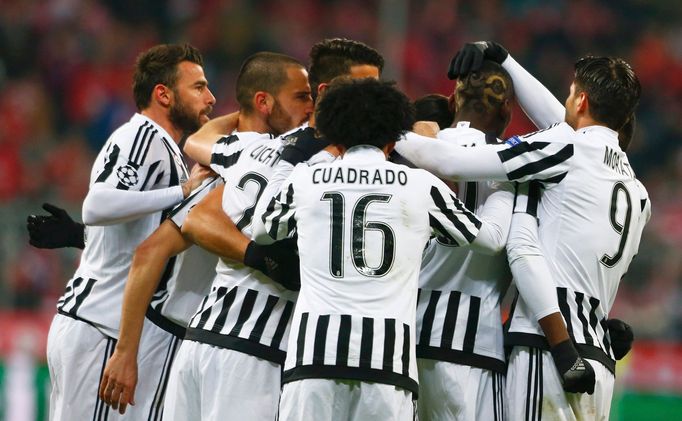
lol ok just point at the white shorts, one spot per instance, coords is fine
(332, 400)
(213, 383)
(449, 391)
(77, 353)
(534, 390)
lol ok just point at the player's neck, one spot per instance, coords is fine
(160, 117)
(252, 123)
(476, 121)
(585, 120)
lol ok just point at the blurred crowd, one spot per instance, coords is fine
(65, 84)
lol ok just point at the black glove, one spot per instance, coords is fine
(470, 57)
(621, 337)
(279, 261)
(301, 145)
(56, 230)
(577, 375)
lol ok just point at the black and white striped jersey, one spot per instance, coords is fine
(362, 224)
(244, 310)
(188, 276)
(458, 307)
(138, 156)
(590, 225)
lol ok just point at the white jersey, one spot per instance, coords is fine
(138, 156)
(362, 224)
(188, 275)
(458, 307)
(600, 199)
(245, 310)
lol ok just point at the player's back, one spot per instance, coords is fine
(458, 277)
(590, 226)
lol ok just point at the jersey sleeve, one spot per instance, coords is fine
(121, 189)
(495, 215)
(544, 155)
(279, 219)
(225, 154)
(453, 162)
(529, 268)
(535, 99)
(449, 218)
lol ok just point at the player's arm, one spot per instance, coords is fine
(107, 204)
(450, 218)
(279, 219)
(119, 379)
(209, 227)
(536, 288)
(199, 145)
(543, 156)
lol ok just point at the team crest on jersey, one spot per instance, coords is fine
(127, 175)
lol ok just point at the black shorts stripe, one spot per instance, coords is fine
(156, 409)
(101, 412)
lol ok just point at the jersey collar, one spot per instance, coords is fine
(364, 153)
(602, 132)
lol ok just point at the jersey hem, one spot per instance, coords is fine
(351, 373)
(235, 343)
(165, 324)
(532, 340)
(462, 357)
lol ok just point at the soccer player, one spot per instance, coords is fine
(178, 293)
(138, 174)
(362, 224)
(460, 353)
(592, 214)
(242, 326)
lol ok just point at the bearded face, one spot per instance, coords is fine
(184, 117)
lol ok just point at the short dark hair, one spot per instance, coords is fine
(264, 71)
(334, 57)
(434, 107)
(485, 90)
(159, 65)
(627, 133)
(363, 112)
(612, 89)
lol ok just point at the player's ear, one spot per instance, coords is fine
(582, 103)
(321, 88)
(452, 105)
(263, 102)
(162, 94)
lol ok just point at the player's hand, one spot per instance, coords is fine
(302, 145)
(198, 174)
(119, 380)
(470, 57)
(576, 373)
(279, 261)
(56, 230)
(622, 337)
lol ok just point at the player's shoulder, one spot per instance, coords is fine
(466, 136)
(137, 130)
(556, 133)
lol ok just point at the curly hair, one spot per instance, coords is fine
(159, 65)
(363, 112)
(434, 107)
(612, 88)
(333, 57)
